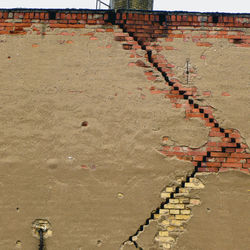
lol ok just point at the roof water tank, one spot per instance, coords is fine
(132, 4)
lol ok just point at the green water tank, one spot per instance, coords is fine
(132, 4)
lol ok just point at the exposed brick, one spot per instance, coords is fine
(225, 94)
(205, 44)
(232, 165)
(219, 154)
(208, 170)
(240, 155)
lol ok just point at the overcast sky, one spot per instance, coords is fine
(239, 6)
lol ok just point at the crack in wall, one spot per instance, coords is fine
(225, 148)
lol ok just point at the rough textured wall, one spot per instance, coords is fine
(90, 110)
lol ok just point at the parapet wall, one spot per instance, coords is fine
(172, 19)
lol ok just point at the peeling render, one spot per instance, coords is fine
(224, 148)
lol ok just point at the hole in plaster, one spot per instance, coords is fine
(98, 243)
(84, 124)
(18, 209)
(208, 210)
(9, 57)
(52, 15)
(111, 17)
(120, 195)
(18, 244)
(237, 41)
(215, 19)
(162, 18)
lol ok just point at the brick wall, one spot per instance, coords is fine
(145, 31)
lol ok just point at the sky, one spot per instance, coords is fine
(239, 6)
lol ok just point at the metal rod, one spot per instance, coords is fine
(101, 2)
(187, 72)
(41, 245)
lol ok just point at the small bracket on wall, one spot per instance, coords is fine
(41, 229)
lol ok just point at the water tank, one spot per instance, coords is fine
(132, 4)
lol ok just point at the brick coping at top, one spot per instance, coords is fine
(179, 17)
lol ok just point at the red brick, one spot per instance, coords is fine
(234, 135)
(216, 149)
(6, 24)
(178, 18)
(226, 144)
(241, 155)
(85, 16)
(219, 154)
(246, 165)
(58, 25)
(212, 164)
(22, 24)
(194, 115)
(72, 21)
(76, 26)
(230, 150)
(169, 48)
(151, 78)
(109, 30)
(26, 15)
(124, 16)
(216, 134)
(208, 170)
(4, 32)
(231, 165)
(225, 94)
(42, 15)
(91, 21)
(206, 93)
(205, 44)
(73, 16)
(244, 170)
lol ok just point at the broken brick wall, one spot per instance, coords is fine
(195, 70)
